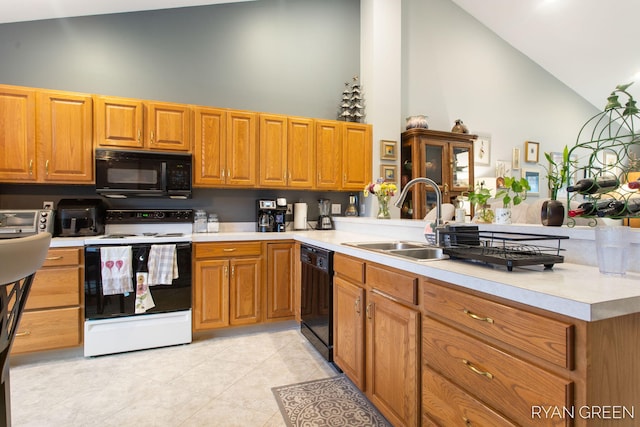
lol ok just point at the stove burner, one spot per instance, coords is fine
(117, 236)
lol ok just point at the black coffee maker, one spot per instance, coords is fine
(266, 210)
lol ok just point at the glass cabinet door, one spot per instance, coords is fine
(434, 156)
(461, 167)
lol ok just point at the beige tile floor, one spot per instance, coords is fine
(221, 379)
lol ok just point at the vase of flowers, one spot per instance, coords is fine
(383, 191)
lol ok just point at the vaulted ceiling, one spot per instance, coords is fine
(589, 45)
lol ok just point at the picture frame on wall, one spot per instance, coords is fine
(533, 178)
(388, 150)
(482, 150)
(515, 158)
(532, 151)
(389, 173)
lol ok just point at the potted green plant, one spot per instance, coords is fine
(552, 212)
(513, 193)
(479, 198)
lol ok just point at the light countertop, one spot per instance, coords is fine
(575, 290)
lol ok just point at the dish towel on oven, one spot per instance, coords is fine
(116, 272)
(162, 264)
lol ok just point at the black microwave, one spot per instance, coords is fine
(121, 174)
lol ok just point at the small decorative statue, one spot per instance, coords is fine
(459, 127)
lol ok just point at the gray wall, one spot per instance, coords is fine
(280, 56)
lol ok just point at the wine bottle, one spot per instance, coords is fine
(633, 205)
(634, 185)
(621, 208)
(588, 208)
(594, 185)
(615, 208)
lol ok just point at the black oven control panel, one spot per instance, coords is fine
(142, 216)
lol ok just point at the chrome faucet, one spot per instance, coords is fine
(433, 184)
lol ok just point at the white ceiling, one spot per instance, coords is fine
(590, 45)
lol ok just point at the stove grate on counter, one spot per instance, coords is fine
(504, 248)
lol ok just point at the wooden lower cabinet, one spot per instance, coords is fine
(227, 288)
(446, 404)
(348, 336)
(393, 359)
(490, 361)
(377, 336)
(280, 281)
(503, 381)
(53, 314)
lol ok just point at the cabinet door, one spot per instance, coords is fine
(209, 150)
(435, 167)
(48, 329)
(393, 357)
(356, 156)
(301, 158)
(242, 149)
(348, 330)
(168, 126)
(280, 280)
(65, 123)
(245, 291)
(211, 294)
(273, 150)
(118, 122)
(328, 155)
(461, 155)
(17, 134)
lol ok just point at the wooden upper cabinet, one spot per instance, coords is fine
(119, 122)
(45, 136)
(343, 155)
(273, 150)
(356, 156)
(209, 146)
(286, 151)
(133, 123)
(328, 154)
(168, 126)
(65, 136)
(301, 161)
(242, 149)
(17, 134)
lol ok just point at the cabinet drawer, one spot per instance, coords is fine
(230, 249)
(449, 405)
(350, 268)
(56, 257)
(549, 339)
(398, 285)
(55, 287)
(502, 381)
(48, 329)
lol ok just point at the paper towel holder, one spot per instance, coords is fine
(300, 216)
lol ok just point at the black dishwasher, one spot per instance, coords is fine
(316, 305)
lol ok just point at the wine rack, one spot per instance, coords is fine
(607, 146)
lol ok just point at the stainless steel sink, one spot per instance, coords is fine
(410, 250)
(386, 246)
(420, 254)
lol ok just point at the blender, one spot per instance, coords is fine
(324, 220)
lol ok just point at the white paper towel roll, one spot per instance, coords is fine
(300, 216)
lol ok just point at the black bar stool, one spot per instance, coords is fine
(19, 260)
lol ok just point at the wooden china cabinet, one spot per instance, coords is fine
(445, 157)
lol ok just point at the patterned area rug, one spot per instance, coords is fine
(328, 402)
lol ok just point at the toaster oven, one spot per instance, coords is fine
(25, 222)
